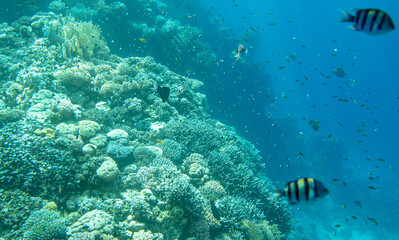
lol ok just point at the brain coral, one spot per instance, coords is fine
(95, 222)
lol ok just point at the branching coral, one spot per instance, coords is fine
(44, 224)
(194, 135)
(33, 163)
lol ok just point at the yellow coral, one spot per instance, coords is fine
(47, 132)
(80, 38)
(51, 206)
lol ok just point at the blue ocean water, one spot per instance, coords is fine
(286, 81)
(363, 141)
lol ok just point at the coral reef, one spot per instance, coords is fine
(89, 131)
(16, 207)
(150, 30)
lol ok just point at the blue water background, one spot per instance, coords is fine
(307, 29)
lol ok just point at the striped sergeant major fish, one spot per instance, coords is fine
(371, 21)
(303, 190)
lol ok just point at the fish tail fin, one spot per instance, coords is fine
(347, 17)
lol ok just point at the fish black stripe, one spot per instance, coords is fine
(382, 21)
(306, 189)
(366, 13)
(289, 191)
(297, 191)
(357, 18)
(376, 12)
(315, 188)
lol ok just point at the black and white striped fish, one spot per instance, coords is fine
(303, 190)
(371, 21)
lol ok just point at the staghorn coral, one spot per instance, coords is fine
(244, 182)
(235, 209)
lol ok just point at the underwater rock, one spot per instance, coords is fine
(88, 129)
(117, 134)
(99, 140)
(108, 170)
(89, 149)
